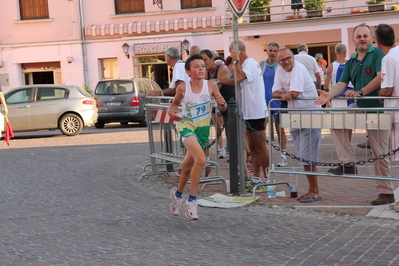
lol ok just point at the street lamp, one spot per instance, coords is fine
(125, 49)
(185, 44)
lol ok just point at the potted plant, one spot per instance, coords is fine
(376, 5)
(315, 8)
(259, 10)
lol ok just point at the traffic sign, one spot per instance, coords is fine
(238, 6)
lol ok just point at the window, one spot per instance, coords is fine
(33, 9)
(20, 96)
(50, 94)
(195, 3)
(129, 6)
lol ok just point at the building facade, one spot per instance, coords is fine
(81, 42)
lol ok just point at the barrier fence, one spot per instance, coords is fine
(358, 120)
(165, 149)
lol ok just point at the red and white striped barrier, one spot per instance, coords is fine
(162, 116)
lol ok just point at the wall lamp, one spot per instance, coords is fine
(1, 64)
(186, 44)
(125, 49)
(69, 59)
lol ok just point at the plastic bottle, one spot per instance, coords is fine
(271, 191)
(293, 184)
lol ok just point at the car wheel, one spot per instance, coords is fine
(71, 124)
(124, 123)
(143, 122)
(99, 124)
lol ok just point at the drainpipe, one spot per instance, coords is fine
(83, 41)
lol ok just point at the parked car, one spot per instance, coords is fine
(37, 107)
(123, 100)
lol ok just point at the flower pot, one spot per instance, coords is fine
(376, 8)
(259, 15)
(314, 13)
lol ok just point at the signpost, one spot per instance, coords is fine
(239, 7)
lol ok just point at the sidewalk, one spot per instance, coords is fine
(339, 194)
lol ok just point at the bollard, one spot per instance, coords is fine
(233, 146)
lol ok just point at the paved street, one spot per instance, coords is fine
(77, 201)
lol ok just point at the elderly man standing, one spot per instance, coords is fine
(292, 82)
(254, 109)
(364, 71)
(179, 75)
(310, 63)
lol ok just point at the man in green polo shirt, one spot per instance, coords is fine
(363, 70)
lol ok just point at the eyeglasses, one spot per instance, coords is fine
(285, 59)
(362, 36)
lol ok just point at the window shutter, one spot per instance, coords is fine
(195, 3)
(129, 6)
(33, 9)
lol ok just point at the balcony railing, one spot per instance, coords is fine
(334, 8)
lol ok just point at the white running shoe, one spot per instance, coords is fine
(176, 202)
(222, 153)
(282, 162)
(191, 209)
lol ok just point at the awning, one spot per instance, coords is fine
(155, 26)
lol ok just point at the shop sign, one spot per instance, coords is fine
(155, 48)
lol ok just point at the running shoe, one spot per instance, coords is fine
(282, 162)
(191, 209)
(176, 202)
(222, 153)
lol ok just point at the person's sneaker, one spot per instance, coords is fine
(191, 209)
(340, 170)
(222, 153)
(392, 206)
(383, 199)
(282, 162)
(176, 202)
(364, 145)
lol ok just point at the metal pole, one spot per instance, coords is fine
(240, 123)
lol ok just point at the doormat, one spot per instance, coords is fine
(222, 201)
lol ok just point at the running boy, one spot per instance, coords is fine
(193, 127)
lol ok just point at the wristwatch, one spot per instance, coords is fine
(236, 61)
(360, 92)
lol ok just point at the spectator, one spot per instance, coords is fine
(364, 71)
(292, 82)
(385, 38)
(269, 67)
(310, 63)
(254, 109)
(179, 74)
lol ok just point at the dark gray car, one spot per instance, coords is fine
(123, 100)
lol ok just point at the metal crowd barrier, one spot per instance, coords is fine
(356, 119)
(164, 143)
(359, 120)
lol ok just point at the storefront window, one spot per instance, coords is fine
(154, 67)
(109, 68)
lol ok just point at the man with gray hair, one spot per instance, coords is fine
(310, 63)
(179, 74)
(269, 67)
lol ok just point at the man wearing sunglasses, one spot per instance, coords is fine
(291, 83)
(364, 71)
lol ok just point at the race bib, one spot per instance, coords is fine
(200, 111)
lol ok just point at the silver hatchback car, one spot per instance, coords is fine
(123, 100)
(37, 107)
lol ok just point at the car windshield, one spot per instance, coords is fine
(114, 87)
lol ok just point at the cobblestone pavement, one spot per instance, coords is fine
(77, 201)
